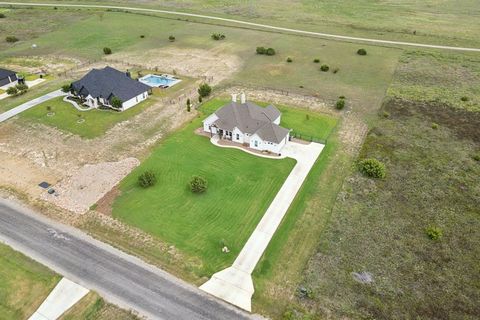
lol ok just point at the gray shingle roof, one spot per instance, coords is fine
(108, 82)
(251, 118)
(6, 73)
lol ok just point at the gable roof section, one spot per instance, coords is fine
(4, 73)
(107, 82)
(251, 118)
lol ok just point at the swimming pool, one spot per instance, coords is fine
(161, 81)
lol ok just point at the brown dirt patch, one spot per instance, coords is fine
(104, 205)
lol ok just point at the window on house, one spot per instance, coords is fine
(238, 137)
(256, 143)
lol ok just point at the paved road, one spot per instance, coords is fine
(118, 277)
(235, 284)
(265, 26)
(30, 104)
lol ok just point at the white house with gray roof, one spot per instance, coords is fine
(246, 123)
(99, 86)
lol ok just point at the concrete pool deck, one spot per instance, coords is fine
(235, 284)
(166, 77)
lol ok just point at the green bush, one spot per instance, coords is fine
(22, 87)
(142, 36)
(289, 59)
(362, 52)
(66, 88)
(11, 91)
(11, 39)
(261, 50)
(476, 157)
(2, 15)
(324, 68)
(335, 70)
(204, 90)
(434, 126)
(270, 52)
(218, 36)
(147, 179)
(107, 50)
(198, 184)
(340, 104)
(464, 98)
(316, 60)
(372, 168)
(171, 38)
(116, 103)
(386, 114)
(433, 232)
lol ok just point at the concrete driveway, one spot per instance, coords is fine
(30, 104)
(235, 284)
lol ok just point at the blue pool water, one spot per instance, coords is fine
(157, 81)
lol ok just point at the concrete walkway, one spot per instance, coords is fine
(64, 296)
(235, 284)
(30, 104)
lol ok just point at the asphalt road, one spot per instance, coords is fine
(241, 22)
(118, 277)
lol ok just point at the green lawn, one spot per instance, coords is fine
(240, 190)
(24, 284)
(303, 122)
(96, 122)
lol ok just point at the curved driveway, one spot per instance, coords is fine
(241, 22)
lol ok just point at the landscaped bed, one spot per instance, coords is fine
(87, 124)
(240, 189)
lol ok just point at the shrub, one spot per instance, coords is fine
(204, 90)
(261, 50)
(11, 39)
(434, 126)
(188, 105)
(476, 157)
(335, 70)
(433, 232)
(171, 38)
(289, 59)
(270, 52)
(385, 114)
(324, 68)
(464, 98)
(218, 36)
(49, 108)
(362, 52)
(307, 117)
(340, 104)
(341, 97)
(22, 87)
(200, 99)
(116, 103)
(107, 50)
(142, 36)
(12, 91)
(198, 184)
(316, 60)
(372, 168)
(2, 15)
(147, 179)
(66, 88)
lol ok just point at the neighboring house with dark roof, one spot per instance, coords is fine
(246, 123)
(99, 86)
(7, 77)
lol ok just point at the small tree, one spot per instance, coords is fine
(289, 59)
(147, 179)
(270, 52)
(107, 50)
(340, 104)
(198, 184)
(116, 103)
(261, 50)
(372, 168)
(362, 52)
(66, 88)
(22, 87)
(2, 15)
(204, 90)
(324, 68)
(200, 99)
(188, 105)
(316, 60)
(49, 108)
(11, 91)
(11, 39)
(171, 38)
